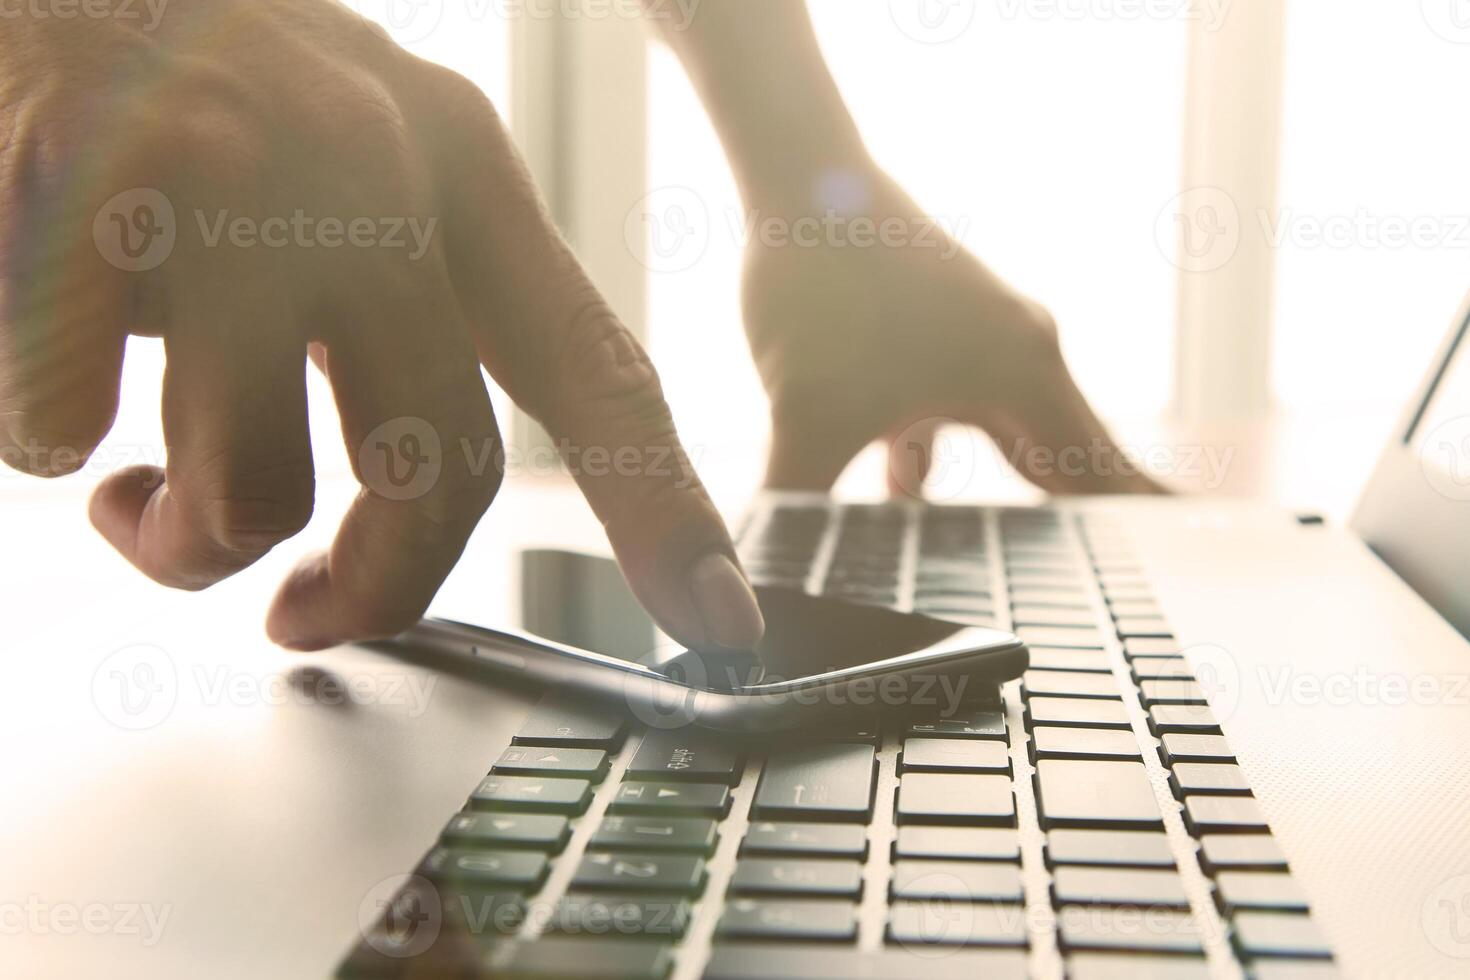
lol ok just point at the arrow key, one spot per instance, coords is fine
(525, 760)
(693, 834)
(534, 831)
(497, 792)
(702, 799)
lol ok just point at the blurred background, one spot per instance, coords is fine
(1073, 145)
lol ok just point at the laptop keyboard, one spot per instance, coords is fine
(1086, 821)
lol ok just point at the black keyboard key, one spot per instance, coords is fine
(693, 799)
(1174, 669)
(1109, 848)
(955, 755)
(818, 839)
(1110, 966)
(810, 921)
(1077, 712)
(1024, 614)
(963, 881)
(1121, 608)
(683, 754)
(562, 959)
(1054, 636)
(1068, 684)
(1083, 743)
(633, 833)
(867, 734)
(641, 918)
(1140, 627)
(955, 798)
(511, 870)
(1164, 719)
(776, 961)
(791, 876)
(1150, 646)
(1223, 815)
(1101, 795)
(946, 923)
(1055, 658)
(481, 913)
(1072, 885)
(1258, 891)
(531, 793)
(1184, 690)
(958, 843)
(672, 874)
(1267, 934)
(1195, 748)
(817, 782)
(1241, 852)
(1208, 779)
(1041, 596)
(1292, 969)
(542, 832)
(535, 760)
(1128, 929)
(573, 725)
(989, 722)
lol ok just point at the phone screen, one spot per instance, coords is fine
(582, 601)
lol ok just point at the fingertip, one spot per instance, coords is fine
(117, 505)
(298, 619)
(726, 602)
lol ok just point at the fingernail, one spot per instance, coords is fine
(726, 602)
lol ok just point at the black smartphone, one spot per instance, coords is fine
(821, 658)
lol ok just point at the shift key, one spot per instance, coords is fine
(817, 782)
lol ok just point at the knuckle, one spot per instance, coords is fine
(605, 365)
(250, 516)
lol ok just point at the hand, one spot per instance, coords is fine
(287, 176)
(861, 334)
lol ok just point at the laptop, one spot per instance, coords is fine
(1241, 749)
(190, 801)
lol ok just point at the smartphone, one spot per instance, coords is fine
(821, 658)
